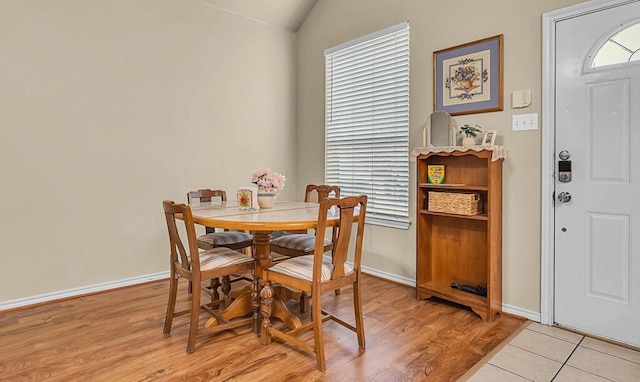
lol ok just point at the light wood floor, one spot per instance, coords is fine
(117, 336)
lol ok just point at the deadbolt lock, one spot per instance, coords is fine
(564, 167)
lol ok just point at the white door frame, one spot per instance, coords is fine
(547, 229)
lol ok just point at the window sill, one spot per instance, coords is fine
(390, 223)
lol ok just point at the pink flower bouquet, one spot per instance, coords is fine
(267, 181)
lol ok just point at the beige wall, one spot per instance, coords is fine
(109, 107)
(435, 25)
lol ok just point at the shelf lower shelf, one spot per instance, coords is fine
(445, 291)
(453, 187)
(471, 217)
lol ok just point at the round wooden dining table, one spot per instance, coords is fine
(284, 216)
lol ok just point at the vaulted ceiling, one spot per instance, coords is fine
(287, 14)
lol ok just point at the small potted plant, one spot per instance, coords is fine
(470, 134)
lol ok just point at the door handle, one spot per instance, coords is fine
(564, 197)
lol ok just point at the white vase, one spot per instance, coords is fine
(266, 199)
(468, 141)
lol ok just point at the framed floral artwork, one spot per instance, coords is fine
(467, 78)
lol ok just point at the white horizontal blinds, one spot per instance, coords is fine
(367, 122)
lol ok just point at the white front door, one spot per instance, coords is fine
(597, 231)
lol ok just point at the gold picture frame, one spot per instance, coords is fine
(468, 78)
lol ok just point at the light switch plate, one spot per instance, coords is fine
(523, 122)
(521, 98)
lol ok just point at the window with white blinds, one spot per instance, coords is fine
(367, 122)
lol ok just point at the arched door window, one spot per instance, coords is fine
(621, 48)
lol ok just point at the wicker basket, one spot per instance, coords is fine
(455, 203)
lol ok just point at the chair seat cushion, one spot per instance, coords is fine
(298, 242)
(302, 267)
(222, 257)
(219, 239)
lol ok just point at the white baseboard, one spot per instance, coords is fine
(528, 314)
(533, 316)
(388, 276)
(4, 305)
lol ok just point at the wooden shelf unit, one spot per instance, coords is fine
(465, 249)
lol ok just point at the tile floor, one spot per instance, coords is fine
(544, 353)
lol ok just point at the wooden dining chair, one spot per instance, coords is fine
(317, 273)
(212, 238)
(294, 244)
(303, 243)
(189, 263)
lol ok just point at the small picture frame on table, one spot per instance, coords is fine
(248, 198)
(489, 138)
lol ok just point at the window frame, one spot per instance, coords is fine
(387, 122)
(590, 62)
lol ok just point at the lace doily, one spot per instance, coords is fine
(498, 152)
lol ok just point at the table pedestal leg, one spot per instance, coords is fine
(262, 242)
(266, 303)
(249, 300)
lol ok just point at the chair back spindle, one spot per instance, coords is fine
(347, 209)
